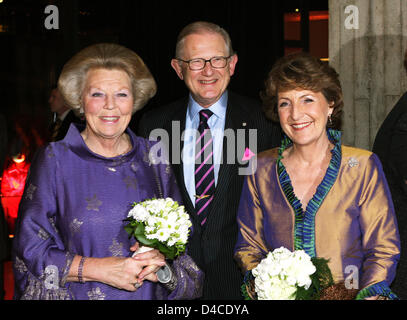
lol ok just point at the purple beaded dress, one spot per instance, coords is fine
(74, 203)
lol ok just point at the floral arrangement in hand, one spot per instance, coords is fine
(160, 224)
(286, 275)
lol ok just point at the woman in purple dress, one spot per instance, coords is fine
(70, 240)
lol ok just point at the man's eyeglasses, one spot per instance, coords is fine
(200, 63)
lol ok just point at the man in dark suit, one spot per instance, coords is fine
(210, 173)
(391, 146)
(64, 116)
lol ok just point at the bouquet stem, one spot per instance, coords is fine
(142, 249)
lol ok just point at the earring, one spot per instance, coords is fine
(329, 120)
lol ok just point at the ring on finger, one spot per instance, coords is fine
(137, 285)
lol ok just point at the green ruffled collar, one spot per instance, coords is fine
(304, 231)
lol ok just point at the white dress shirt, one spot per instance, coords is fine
(217, 124)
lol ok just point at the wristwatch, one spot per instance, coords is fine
(167, 277)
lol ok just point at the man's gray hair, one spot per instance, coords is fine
(200, 27)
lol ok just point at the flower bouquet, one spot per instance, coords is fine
(286, 275)
(159, 224)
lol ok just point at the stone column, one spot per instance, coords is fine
(367, 41)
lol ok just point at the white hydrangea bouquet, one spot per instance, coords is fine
(159, 224)
(286, 275)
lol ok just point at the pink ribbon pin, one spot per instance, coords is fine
(248, 154)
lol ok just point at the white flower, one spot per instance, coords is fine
(302, 268)
(172, 218)
(151, 236)
(279, 274)
(152, 221)
(139, 213)
(163, 220)
(162, 235)
(169, 202)
(172, 241)
(274, 289)
(149, 229)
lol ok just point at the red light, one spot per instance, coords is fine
(313, 16)
(12, 188)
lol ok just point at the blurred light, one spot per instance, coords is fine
(12, 188)
(19, 158)
(318, 15)
(313, 16)
(297, 10)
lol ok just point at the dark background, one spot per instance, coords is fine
(31, 56)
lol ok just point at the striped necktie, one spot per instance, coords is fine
(204, 167)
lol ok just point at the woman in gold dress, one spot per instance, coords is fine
(315, 194)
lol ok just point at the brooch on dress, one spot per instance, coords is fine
(353, 162)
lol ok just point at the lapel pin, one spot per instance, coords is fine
(202, 197)
(248, 154)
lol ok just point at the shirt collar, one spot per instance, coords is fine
(218, 108)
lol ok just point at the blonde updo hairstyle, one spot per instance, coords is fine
(110, 56)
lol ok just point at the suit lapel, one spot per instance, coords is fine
(234, 120)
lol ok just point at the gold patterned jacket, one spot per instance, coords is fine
(350, 220)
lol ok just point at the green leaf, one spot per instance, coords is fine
(169, 252)
(321, 278)
(170, 255)
(128, 229)
(163, 248)
(147, 242)
(139, 230)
